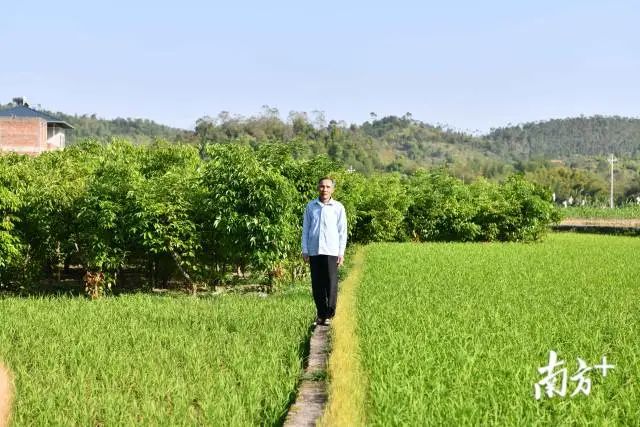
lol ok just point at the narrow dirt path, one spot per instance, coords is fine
(312, 395)
(339, 376)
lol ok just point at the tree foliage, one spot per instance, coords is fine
(171, 212)
(404, 144)
(443, 208)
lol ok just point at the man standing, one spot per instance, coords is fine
(324, 238)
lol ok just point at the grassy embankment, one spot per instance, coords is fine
(346, 380)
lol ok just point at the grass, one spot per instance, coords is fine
(625, 212)
(150, 360)
(453, 334)
(346, 380)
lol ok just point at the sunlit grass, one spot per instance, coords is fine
(347, 382)
(145, 360)
(453, 334)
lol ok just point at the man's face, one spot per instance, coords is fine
(325, 188)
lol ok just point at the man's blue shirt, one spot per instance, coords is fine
(324, 228)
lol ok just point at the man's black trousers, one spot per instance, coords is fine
(324, 283)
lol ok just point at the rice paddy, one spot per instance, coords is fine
(624, 212)
(150, 360)
(454, 334)
(445, 334)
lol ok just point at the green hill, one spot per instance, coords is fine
(568, 138)
(391, 143)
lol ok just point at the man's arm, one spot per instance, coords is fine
(342, 235)
(305, 234)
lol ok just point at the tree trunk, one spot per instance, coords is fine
(178, 262)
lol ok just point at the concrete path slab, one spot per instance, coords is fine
(312, 393)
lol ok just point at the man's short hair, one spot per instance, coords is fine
(333, 183)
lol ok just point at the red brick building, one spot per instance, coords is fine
(27, 131)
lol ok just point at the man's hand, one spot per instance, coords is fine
(305, 257)
(340, 261)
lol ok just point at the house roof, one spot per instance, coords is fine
(24, 111)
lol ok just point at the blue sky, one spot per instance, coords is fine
(467, 64)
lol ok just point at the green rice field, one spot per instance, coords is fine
(625, 212)
(449, 334)
(454, 333)
(155, 360)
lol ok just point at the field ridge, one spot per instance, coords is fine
(602, 222)
(347, 383)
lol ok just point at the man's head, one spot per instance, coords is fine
(326, 186)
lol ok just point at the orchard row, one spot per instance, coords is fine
(176, 211)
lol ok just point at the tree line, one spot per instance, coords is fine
(207, 215)
(568, 155)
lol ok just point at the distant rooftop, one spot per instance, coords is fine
(25, 111)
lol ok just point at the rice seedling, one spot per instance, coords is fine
(150, 360)
(623, 212)
(454, 333)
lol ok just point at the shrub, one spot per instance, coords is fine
(444, 208)
(441, 208)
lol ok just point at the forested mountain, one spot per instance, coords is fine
(568, 138)
(136, 130)
(391, 143)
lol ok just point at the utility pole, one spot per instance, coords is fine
(611, 161)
